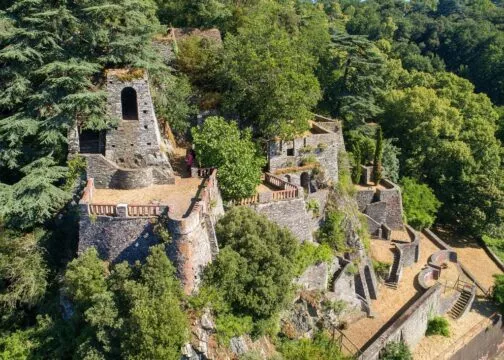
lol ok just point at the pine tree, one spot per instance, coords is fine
(377, 163)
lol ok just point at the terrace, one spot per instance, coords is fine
(178, 199)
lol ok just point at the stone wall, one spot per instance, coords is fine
(324, 143)
(411, 325)
(107, 174)
(290, 214)
(192, 247)
(487, 344)
(116, 238)
(364, 197)
(410, 251)
(392, 196)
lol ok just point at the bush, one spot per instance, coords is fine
(438, 325)
(496, 245)
(381, 269)
(221, 144)
(308, 160)
(396, 351)
(331, 232)
(321, 347)
(420, 203)
(313, 206)
(498, 291)
(310, 254)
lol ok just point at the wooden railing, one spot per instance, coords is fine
(247, 201)
(103, 209)
(278, 182)
(285, 194)
(145, 210)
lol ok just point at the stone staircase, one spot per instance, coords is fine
(392, 280)
(462, 302)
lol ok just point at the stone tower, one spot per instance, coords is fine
(131, 154)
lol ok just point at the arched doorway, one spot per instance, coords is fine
(129, 104)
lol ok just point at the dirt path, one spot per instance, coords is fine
(472, 256)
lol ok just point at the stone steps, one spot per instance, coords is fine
(391, 282)
(458, 308)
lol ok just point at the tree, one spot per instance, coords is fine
(124, 313)
(356, 66)
(391, 163)
(220, 144)
(255, 267)
(270, 81)
(420, 203)
(378, 156)
(23, 272)
(357, 162)
(332, 232)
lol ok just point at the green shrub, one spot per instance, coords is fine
(332, 232)
(321, 347)
(313, 206)
(396, 351)
(310, 254)
(337, 306)
(229, 325)
(308, 160)
(381, 268)
(306, 149)
(438, 325)
(498, 291)
(497, 245)
(420, 203)
(322, 146)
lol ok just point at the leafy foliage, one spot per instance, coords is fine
(438, 325)
(132, 314)
(221, 145)
(420, 203)
(255, 266)
(396, 351)
(332, 232)
(498, 291)
(321, 347)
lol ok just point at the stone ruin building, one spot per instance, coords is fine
(132, 189)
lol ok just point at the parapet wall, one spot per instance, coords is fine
(410, 327)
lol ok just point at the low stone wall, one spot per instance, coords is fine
(290, 214)
(374, 228)
(108, 175)
(411, 325)
(487, 344)
(410, 251)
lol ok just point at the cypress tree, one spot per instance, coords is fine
(377, 164)
(357, 170)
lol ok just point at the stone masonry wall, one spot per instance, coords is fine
(392, 196)
(133, 143)
(106, 174)
(291, 214)
(117, 238)
(410, 327)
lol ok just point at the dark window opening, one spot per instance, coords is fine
(149, 144)
(290, 152)
(92, 142)
(129, 104)
(145, 111)
(146, 127)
